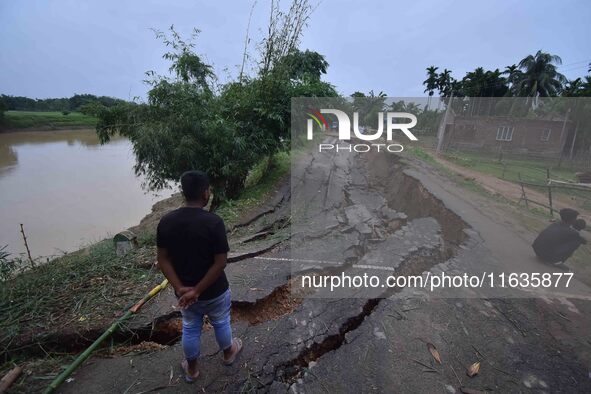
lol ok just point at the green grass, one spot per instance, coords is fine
(80, 291)
(469, 183)
(460, 180)
(530, 170)
(420, 153)
(46, 120)
(75, 291)
(258, 185)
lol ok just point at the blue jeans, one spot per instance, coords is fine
(218, 311)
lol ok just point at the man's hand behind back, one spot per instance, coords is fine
(183, 290)
(188, 296)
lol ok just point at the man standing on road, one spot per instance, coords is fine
(192, 254)
(557, 242)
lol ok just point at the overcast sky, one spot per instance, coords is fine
(61, 47)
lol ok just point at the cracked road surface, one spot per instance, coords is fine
(353, 213)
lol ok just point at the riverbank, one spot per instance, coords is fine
(52, 311)
(43, 121)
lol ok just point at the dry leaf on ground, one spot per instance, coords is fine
(434, 352)
(473, 369)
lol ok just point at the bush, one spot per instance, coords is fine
(2, 109)
(93, 108)
(8, 266)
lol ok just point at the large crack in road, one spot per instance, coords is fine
(375, 222)
(290, 371)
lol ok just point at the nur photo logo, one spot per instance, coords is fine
(345, 132)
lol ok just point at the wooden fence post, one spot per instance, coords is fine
(523, 195)
(27, 247)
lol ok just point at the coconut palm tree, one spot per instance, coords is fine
(540, 76)
(374, 103)
(402, 106)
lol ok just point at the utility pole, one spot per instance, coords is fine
(441, 131)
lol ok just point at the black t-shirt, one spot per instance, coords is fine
(554, 236)
(192, 236)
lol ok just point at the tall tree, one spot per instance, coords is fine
(445, 83)
(579, 87)
(540, 76)
(368, 106)
(2, 109)
(376, 103)
(481, 83)
(283, 32)
(572, 88)
(304, 63)
(404, 106)
(513, 74)
(431, 82)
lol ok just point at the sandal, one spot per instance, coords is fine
(238, 343)
(188, 377)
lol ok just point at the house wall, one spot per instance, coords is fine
(480, 133)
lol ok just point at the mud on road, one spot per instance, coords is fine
(340, 213)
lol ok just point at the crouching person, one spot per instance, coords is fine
(556, 243)
(192, 253)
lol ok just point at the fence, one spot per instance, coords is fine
(544, 182)
(581, 191)
(581, 161)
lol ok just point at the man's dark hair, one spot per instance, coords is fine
(579, 224)
(194, 184)
(568, 215)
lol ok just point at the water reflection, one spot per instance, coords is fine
(8, 158)
(67, 190)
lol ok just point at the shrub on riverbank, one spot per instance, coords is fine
(192, 122)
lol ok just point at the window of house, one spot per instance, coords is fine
(545, 135)
(505, 133)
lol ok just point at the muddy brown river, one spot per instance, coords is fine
(67, 190)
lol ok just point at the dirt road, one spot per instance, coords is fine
(509, 190)
(353, 214)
